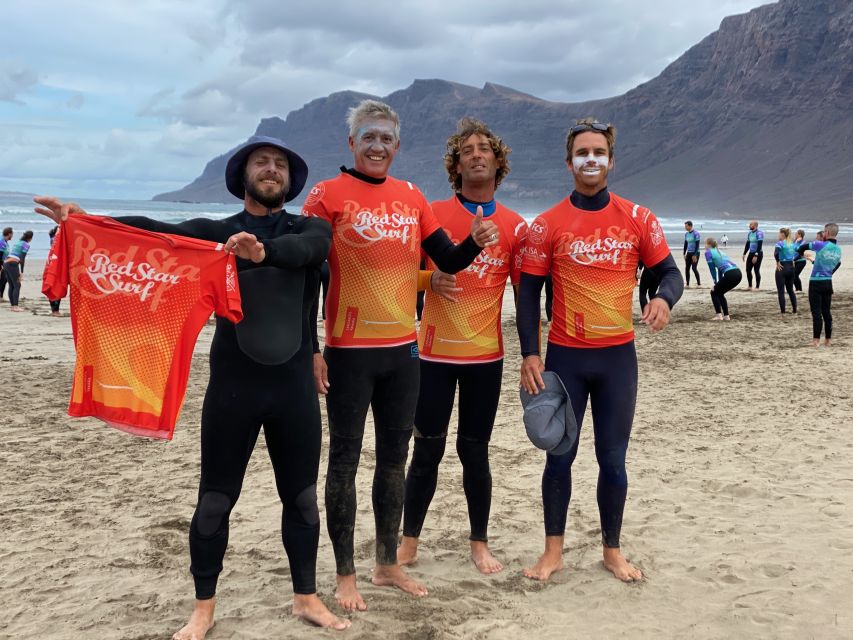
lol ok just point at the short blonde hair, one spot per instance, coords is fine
(367, 109)
(711, 242)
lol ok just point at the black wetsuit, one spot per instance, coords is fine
(244, 395)
(607, 377)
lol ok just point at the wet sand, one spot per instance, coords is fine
(740, 504)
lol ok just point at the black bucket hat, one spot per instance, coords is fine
(237, 165)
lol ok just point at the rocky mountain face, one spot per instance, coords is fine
(754, 120)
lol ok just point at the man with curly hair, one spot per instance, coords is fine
(460, 342)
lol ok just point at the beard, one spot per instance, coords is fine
(270, 200)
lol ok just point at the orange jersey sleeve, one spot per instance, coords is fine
(376, 236)
(469, 330)
(593, 256)
(138, 302)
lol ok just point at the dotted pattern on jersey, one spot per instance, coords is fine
(469, 329)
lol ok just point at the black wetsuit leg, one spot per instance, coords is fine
(756, 267)
(2, 281)
(608, 377)
(749, 270)
(241, 397)
(479, 393)
(54, 305)
(12, 270)
(386, 379)
(799, 265)
(785, 283)
(695, 266)
(728, 281)
(689, 266)
(820, 304)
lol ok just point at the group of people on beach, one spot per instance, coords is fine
(374, 230)
(13, 256)
(791, 252)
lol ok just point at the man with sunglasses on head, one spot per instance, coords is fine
(590, 243)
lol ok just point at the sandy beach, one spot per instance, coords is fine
(740, 505)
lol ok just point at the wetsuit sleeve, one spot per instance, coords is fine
(447, 256)
(836, 267)
(201, 228)
(710, 260)
(758, 245)
(307, 246)
(803, 248)
(776, 253)
(528, 313)
(684, 251)
(746, 246)
(671, 284)
(312, 320)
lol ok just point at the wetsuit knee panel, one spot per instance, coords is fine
(428, 452)
(392, 446)
(345, 451)
(306, 505)
(212, 512)
(559, 466)
(472, 453)
(611, 464)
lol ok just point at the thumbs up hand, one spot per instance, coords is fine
(484, 232)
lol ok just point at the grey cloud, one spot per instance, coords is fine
(15, 79)
(75, 102)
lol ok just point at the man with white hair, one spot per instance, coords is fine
(379, 226)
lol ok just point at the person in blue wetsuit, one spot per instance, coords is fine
(799, 261)
(784, 253)
(753, 254)
(5, 241)
(827, 260)
(726, 276)
(691, 252)
(13, 266)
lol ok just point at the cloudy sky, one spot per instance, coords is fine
(129, 98)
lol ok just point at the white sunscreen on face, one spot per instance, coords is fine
(590, 161)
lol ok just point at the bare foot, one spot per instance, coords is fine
(200, 622)
(816, 342)
(719, 316)
(549, 562)
(616, 563)
(392, 575)
(311, 608)
(347, 595)
(15, 309)
(827, 342)
(55, 314)
(407, 552)
(483, 558)
(727, 318)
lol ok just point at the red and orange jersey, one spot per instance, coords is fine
(593, 256)
(469, 330)
(376, 239)
(138, 302)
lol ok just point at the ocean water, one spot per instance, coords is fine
(16, 211)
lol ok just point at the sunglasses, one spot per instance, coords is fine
(589, 126)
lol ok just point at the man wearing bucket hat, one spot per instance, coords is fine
(260, 371)
(591, 243)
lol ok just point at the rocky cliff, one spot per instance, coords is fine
(755, 119)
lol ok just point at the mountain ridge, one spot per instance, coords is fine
(753, 119)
